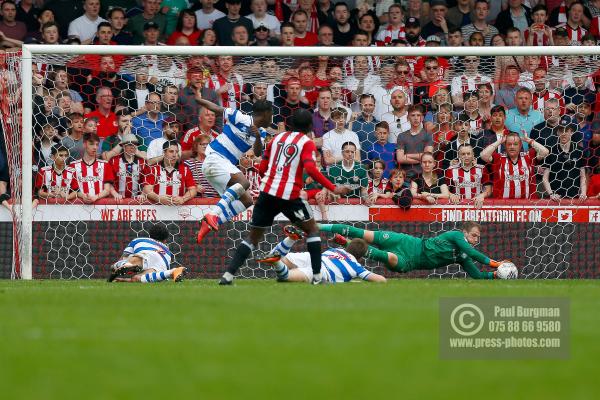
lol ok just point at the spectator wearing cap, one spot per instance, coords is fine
(262, 37)
(186, 27)
(128, 169)
(547, 133)
(224, 25)
(439, 24)
(111, 146)
(413, 33)
(461, 14)
(564, 173)
(430, 81)
(11, 28)
(479, 23)
(343, 30)
(149, 125)
(86, 26)
(260, 17)
(152, 34)
(118, 19)
(516, 15)
(171, 130)
(395, 28)
(151, 13)
(302, 37)
(522, 118)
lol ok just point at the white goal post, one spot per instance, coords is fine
(30, 51)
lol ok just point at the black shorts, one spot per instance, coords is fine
(267, 207)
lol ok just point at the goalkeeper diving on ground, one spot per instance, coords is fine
(400, 252)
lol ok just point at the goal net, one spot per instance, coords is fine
(502, 136)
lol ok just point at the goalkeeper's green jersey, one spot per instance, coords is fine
(439, 251)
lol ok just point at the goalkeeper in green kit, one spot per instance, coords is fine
(403, 253)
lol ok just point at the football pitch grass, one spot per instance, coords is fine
(263, 340)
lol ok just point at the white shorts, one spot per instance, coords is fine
(302, 262)
(152, 260)
(218, 170)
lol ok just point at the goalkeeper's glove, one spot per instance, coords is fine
(496, 264)
(341, 240)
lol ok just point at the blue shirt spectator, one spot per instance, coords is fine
(381, 148)
(149, 125)
(522, 118)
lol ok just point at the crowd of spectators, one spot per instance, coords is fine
(428, 128)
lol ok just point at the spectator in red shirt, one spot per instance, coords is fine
(514, 172)
(302, 36)
(206, 124)
(186, 27)
(170, 182)
(107, 120)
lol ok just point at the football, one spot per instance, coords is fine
(507, 270)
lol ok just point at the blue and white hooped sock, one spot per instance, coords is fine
(282, 271)
(156, 276)
(284, 247)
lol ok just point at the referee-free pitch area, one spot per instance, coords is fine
(263, 340)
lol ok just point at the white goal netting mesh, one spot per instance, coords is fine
(419, 124)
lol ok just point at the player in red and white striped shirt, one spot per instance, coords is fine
(514, 171)
(169, 182)
(227, 83)
(468, 180)
(58, 180)
(95, 177)
(128, 170)
(284, 161)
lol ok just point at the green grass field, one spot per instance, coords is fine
(262, 340)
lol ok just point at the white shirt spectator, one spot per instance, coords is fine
(205, 21)
(155, 148)
(270, 21)
(84, 28)
(333, 141)
(397, 125)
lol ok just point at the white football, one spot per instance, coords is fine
(507, 270)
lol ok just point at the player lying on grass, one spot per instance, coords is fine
(337, 265)
(403, 253)
(241, 133)
(147, 259)
(287, 156)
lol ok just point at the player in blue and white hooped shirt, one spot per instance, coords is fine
(241, 132)
(147, 259)
(337, 265)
